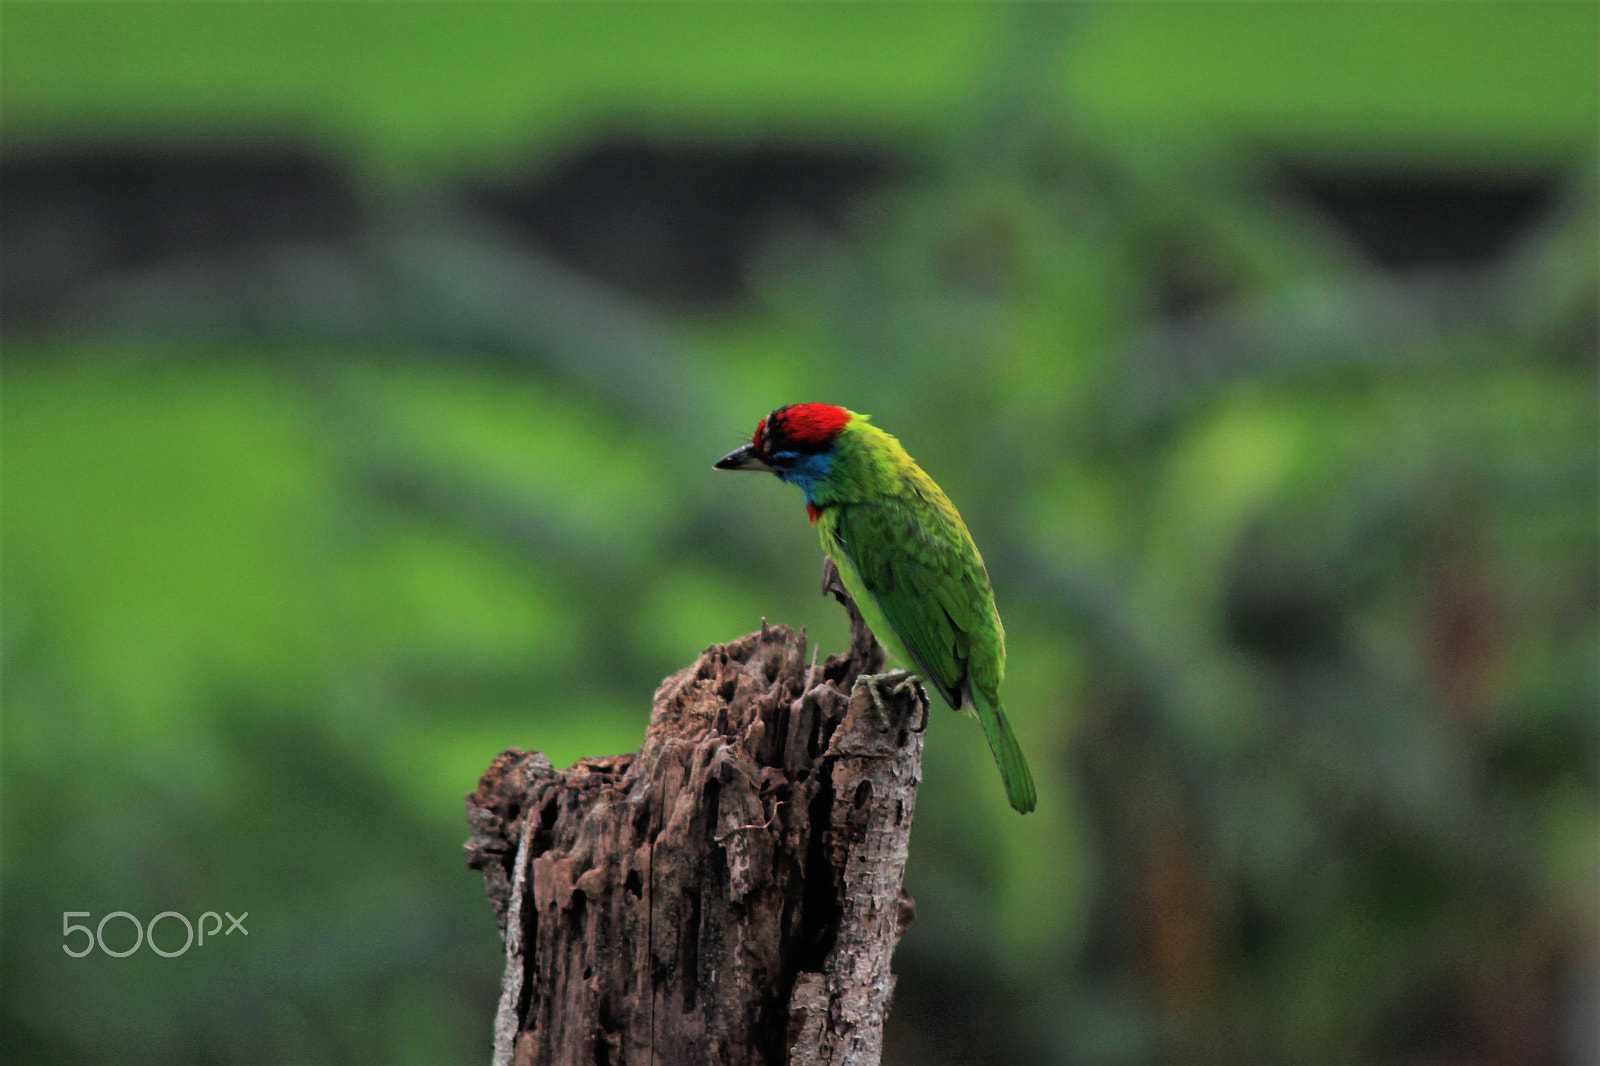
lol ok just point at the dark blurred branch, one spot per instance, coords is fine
(1542, 292)
(462, 288)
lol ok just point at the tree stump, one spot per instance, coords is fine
(729, 895)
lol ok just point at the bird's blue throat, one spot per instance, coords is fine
(807, 471)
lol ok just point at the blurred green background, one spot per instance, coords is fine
(364, 366)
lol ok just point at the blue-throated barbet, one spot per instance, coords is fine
(905, 556)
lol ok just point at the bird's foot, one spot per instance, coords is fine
(890, 682)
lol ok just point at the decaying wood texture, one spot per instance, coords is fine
(728, 895)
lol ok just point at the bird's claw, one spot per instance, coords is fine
(893, 680)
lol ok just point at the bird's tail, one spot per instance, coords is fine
(1007, 755)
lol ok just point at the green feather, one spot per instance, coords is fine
(911, 566)
(1007, 755)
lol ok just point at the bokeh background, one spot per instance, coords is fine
(364, 366)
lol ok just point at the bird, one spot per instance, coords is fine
(905, 556)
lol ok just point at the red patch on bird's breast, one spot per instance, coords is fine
(810, 423)
(813, 512)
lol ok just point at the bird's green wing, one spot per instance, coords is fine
(928, 582)
(920, 568)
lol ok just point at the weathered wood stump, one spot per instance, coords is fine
(728, 895)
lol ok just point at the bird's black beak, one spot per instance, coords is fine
(741, 459)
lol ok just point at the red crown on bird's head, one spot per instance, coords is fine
(799, 427)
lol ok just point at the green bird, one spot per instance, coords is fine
(904, 554)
